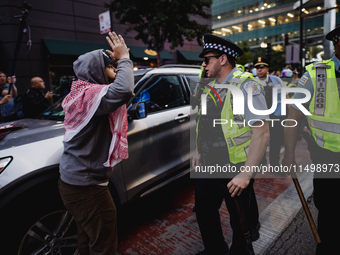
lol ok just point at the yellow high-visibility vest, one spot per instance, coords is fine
(238, 135)
(325, 106)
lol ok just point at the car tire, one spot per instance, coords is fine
(37, 219)
(55, 233)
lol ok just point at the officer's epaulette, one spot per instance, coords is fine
(244, 75)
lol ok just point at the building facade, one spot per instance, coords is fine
(275, 21)
(60, 31)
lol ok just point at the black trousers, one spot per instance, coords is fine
(276, 140)
(326, 200)
(209, 195)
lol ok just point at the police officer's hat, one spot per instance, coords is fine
(261, 62)
(225, 46)
(334, 35)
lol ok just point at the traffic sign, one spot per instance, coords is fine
(105, 22)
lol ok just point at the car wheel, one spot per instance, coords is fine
(55, 233)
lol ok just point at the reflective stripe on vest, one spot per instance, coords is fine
(329, 127)
(237, 134)
(321, 90)
(237, 137)
(242, 138)
(325, 106)
(319, 139)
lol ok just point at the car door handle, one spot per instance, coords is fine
(182, 117)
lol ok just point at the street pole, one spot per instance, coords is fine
(22, 30)
(329, 15)
(111, 16)
(301, 39)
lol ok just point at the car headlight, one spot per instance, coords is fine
(4, 162)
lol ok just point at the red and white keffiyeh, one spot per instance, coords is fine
(81, 104)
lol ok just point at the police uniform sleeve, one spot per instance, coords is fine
(283, 85)
(305, 82)
(258, 101)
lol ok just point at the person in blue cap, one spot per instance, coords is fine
(323, 137)
(237, 146)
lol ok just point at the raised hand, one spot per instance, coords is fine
(11, 79)
(118, 46)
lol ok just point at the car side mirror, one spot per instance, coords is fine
(137, 111)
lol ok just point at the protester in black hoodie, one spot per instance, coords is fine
(35, 101)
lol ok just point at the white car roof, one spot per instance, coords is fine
(176, 70)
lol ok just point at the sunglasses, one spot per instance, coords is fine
(206, 59)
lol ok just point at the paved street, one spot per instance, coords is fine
(166, 224)
(297, 238)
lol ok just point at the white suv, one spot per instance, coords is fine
(33, 219)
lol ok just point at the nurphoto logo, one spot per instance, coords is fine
(238, 104)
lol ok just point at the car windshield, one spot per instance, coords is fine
(54, 112)
(140, 73)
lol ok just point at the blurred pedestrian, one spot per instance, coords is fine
(95, 141)
(289, 67)
(5, 99)
(231, 145)
(295, 77)
(287, 75)
(8, 111)
(35, 101)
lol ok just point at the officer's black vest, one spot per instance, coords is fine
(211, 139)
(269, 95)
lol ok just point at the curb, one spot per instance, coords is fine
(279, 214)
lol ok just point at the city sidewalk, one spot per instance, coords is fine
(279, 215)
(165, 223)
(297, 238)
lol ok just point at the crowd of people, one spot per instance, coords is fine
(32, 103)
(8, 92)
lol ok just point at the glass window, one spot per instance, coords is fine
(161, 93)
(193, 82)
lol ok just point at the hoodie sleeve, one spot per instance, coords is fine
(120, 91)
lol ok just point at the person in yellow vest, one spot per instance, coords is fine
(323, 142)
(238, 146)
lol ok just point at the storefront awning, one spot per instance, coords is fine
(142, 52)
(190, 55)
(68, 47)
